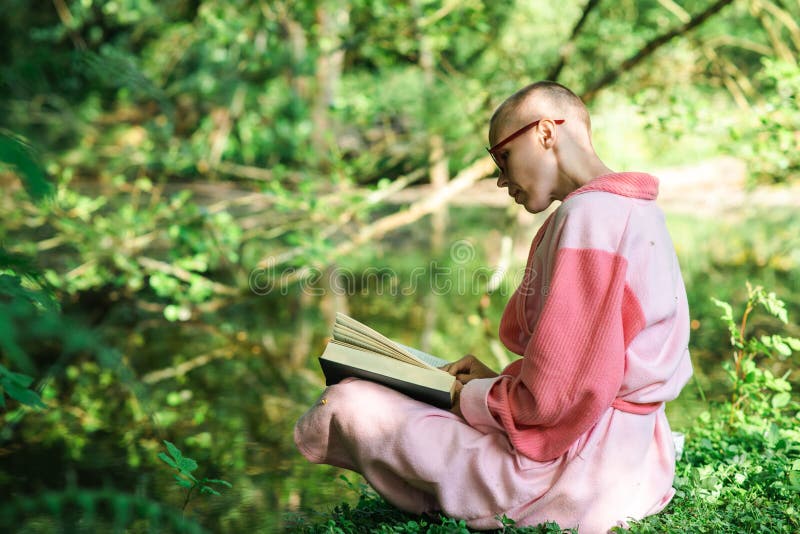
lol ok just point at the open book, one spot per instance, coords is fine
(357, 350)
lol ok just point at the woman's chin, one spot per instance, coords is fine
(530, 207)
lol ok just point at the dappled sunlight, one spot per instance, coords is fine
(192, 190)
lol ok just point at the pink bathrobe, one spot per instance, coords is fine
(575, 430)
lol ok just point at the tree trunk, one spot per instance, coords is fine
(438, 175)
(332, 18)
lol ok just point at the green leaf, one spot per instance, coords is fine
(780, 384)
(775, 307)
(794, 480)
(167, 460)
(20, 379)
(782, 348)
(174, 451)
(728, 315)
(779, 400)
(187, 464)
(22, 395)
(206, 489)
(182, 482)
(18, 153)
(793, 342)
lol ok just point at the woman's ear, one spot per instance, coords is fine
(547, 133)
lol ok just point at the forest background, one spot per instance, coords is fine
(192, 189)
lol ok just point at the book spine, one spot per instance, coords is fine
(336, 372)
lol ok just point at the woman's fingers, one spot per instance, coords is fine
(468, 368)
(458, 367)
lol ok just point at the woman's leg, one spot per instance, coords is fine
(418, 457)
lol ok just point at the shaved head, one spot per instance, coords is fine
(541, 100)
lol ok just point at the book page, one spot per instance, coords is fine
(416, 357)
(357, 339)
(361, 336)
(424, 356)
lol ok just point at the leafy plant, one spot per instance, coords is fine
(767, 138)
(757, 395)
(741, 473)
(17, 301)
(184, 478)
(23, 290)
(16, 385)
(18, 154)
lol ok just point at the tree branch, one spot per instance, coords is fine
(373, 198)
(611, 76)
(186, 276)
(481, 168)
(786, 19)
(65, 16)
(183, 368)
(781, 49)
(464, 179)
(676, 10)
(568, 48)
(441, 13)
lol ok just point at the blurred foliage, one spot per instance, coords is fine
(155, 155)
(16, 153)
(324, 93)
(81, 510)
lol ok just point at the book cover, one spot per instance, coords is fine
(358, 351)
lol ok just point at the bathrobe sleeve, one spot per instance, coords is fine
(573, 363)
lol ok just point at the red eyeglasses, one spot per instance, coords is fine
(513, 136)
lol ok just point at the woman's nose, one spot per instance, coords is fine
(501, 180)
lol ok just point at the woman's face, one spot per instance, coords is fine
(527, 165)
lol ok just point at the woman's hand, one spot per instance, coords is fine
(467, 368)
